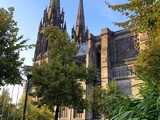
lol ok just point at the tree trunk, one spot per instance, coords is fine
(56, 114)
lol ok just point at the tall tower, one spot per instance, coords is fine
(52, 16)
(79, 34)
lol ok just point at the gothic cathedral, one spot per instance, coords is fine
(112, 52)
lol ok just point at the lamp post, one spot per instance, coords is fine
(29, 75)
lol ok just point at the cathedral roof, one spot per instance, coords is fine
(82, 49)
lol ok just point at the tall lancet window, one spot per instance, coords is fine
(98, 56)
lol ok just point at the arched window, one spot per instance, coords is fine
(98, 57)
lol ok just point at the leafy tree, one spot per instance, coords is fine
(112, 88)
(100, 99)
(10, 46)
(32, 112)
(58, 82)
(148, 63)
(143, 16)
(96, 97)
(4, 103)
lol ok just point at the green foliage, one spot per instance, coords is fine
(143, 15)
(4, 103)
(59, 82)
(117, 106)
(112, 88)
(96, 97)
(116, 103)
(111, 101)
(32, 112)
(148, 63)
(100, 99)
(146, 107)
(10, 46)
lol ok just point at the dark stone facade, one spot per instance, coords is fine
(112, 52)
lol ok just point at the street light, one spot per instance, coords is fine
(29, 76)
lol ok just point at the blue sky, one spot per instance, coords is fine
(28, 14)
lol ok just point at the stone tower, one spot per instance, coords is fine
(79, 34)
(52, 16)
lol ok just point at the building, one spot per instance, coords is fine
(112, 52)
(51, 16)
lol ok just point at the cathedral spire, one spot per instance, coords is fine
(51, 16)
(54, 12)
(80, 33)
(80, 17)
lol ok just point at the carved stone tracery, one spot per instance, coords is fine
(126, 48)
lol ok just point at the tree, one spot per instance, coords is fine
(58, 82)
(10, 47)
(96, 97)
(4, 103)
(100, 99)
(148, 63)
(143, 16)
(32, 111)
